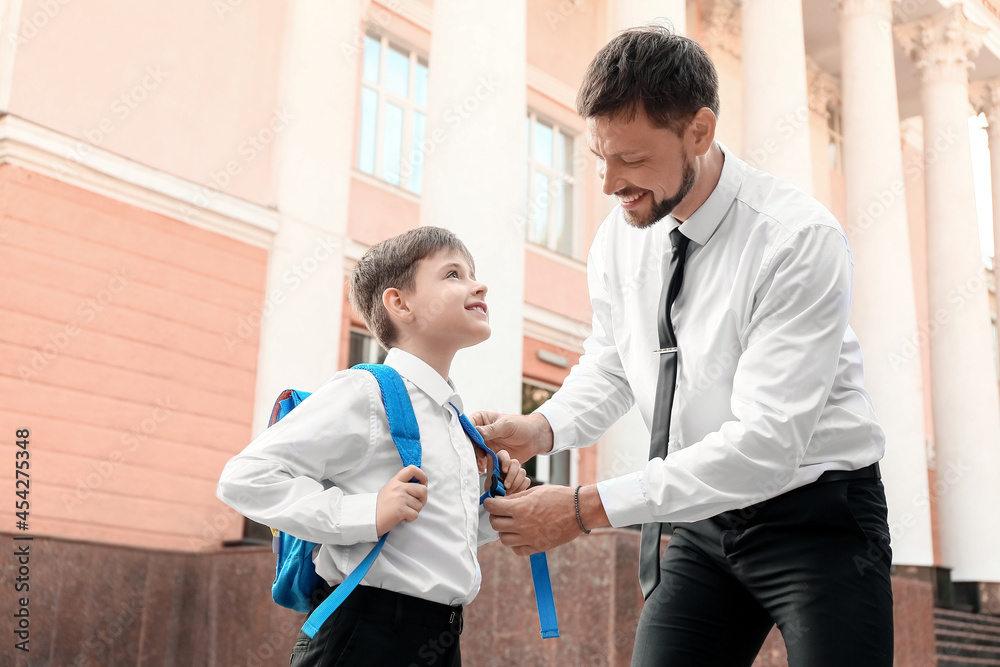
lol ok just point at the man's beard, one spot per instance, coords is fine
(662, 209)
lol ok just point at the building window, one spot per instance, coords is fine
(393, 113)
(550, 186)
(553, 469)
(364, 349)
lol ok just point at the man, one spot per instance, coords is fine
(721, 298)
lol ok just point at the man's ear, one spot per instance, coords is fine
(702, 128)
(396, 304)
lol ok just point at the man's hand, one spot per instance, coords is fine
(400, 500)
(543, 517)
(523, 436)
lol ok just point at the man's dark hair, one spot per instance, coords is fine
(669, 75)
(393, 263)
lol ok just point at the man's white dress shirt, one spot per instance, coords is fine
(316, 475)
(770, 389)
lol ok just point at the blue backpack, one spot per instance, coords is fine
(295, 578)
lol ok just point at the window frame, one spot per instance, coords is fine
(570, 176)
(543, 463)
(368, 334)
(384, 96)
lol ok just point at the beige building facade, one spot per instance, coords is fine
(186, 186)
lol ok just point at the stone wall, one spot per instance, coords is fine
(94, 605)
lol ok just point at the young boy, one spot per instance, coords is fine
(329, 472)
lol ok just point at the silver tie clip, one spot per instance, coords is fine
(665, 350)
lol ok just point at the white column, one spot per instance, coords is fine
(301, 314)
(775, 101)
(475, 180)
(964, 387)
(986, 99)
(883, 310)
(10, 24)
(624, 14)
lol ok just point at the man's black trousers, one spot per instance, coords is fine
(814, 560)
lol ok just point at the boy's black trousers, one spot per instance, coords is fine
(815, 561)
(385, 629)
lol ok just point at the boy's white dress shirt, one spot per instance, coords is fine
(770, 386)
(316, 475)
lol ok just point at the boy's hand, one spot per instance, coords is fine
(514, 477)
(400, 500)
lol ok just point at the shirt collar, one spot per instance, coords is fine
(425, 378)
(701, 225)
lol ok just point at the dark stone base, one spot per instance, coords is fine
(93, 605)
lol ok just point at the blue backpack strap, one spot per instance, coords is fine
(340, 593)
(406, 434)
(496, 483)
(539, 564)
(399, 411)
(543, 596)
(288, 400)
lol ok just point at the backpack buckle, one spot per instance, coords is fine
(496, 487)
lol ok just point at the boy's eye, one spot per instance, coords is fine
(453, 273)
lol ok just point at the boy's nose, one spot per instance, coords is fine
(480, 289)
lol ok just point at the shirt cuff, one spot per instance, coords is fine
(561, 422)
(357, 518)
(624, 500)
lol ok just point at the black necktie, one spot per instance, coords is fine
(649, 546)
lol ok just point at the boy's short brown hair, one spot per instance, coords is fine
(393, 263)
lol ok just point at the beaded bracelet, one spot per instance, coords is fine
(576, 504)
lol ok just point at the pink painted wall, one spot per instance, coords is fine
(185, 86)
(127, 348)
(552, 285)
(562, 37)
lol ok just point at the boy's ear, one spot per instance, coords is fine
(396, 304)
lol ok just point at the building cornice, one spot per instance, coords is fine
(74, 162)
(551, 87)
(549, 327)
(879, 8)
(413, 11)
